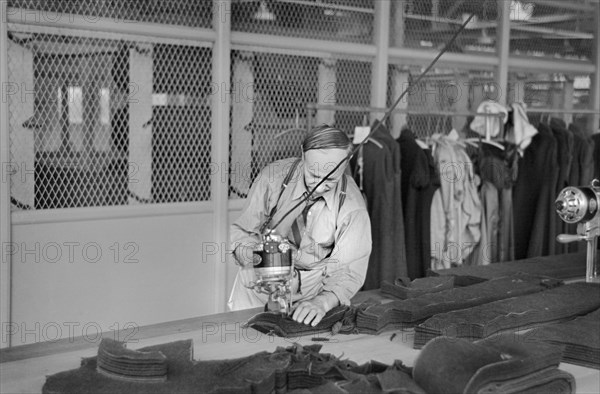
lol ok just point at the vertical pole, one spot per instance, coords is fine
(221, 77)
(5, 260)
(503, 40)
(327, 91)
(381, 37)
(594, 120)
(242, 110)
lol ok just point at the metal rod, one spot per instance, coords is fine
(382, 121)
(562, 111)
(312, 106)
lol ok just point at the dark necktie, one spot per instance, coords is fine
(299, 225)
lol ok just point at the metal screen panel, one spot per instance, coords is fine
(429, 24)
(338, 20)
(353, 88)
(441, 92)
(96, 122)
(553, 29)
(268, 121)
(170, 12)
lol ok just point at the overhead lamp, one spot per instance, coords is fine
(521, 11)
(263, 13)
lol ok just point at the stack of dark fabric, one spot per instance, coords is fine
(407, 313)
(296, 369)
(501, 364)
(341, 319)
(581, 338)
(404, 288)
(116, 361)
(523, 312)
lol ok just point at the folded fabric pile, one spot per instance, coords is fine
(526, 311)
(116, 361)
(581, 338)
(295, 369)
(563, 266)
(406, 313)
(403, 288)
(341, 319)
(503, 364)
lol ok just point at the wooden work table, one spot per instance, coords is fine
(221, 336)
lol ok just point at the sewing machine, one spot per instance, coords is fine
(581, 205)
(274, 272)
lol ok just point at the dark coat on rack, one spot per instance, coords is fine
(564, 155)
(534, 195)
(382, 187)
(582, 173)
(419, 182)
(596, 139)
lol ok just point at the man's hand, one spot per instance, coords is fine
(244, 255)
(311, 312)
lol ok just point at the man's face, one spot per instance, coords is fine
(317, 164)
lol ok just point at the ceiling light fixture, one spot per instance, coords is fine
(263, 13)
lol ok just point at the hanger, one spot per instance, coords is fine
(474, 141)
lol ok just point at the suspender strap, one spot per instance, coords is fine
(343, 192)
(286, 181)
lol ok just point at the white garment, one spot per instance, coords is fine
(489, 126)
(522, 132)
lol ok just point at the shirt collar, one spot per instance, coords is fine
(300, 188)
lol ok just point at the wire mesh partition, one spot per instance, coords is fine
(98, 122)
(337, 20)
(269, 116)
(427, 24)
(172, 12)
(110, 121)
(553, 29)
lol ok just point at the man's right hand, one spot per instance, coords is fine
(244, 255)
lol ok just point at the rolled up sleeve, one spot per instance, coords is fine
(245, 230)
(347, 265)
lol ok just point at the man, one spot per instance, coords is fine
(333, 250)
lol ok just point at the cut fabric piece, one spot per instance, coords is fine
(516, 313)
(406, 313)
(497, 365)
(284, 326)
(116, 361)
(564, 266)
(581, 338)
(403, 288)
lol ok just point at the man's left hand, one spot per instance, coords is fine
(311, 312)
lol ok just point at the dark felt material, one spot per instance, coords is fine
(581, 338)
(501, 364)
(293, 369)
(115, 360)
(564, 266)
(518, 313)
(404, 288)
(406, 313)
(340, 319)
